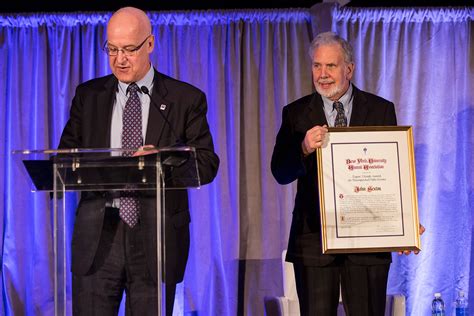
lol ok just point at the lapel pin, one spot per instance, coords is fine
(163, 107)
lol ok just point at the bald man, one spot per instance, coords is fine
(113, 246)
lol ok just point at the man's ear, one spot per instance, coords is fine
(350, 70)
(151, 43)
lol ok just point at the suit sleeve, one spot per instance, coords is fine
(199, 136)
(390, 116)
(71, 136)
(288, 162)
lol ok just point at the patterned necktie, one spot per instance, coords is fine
(341, 120)
(131, 138)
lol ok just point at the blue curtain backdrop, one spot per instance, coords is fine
(250, 63)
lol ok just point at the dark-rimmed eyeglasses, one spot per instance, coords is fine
(127, 51)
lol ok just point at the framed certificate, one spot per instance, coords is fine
(367, 190)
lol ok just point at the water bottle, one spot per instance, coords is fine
(461, 305)
(437, 305)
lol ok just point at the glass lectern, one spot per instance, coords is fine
(107, 170)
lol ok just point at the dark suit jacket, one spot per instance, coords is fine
(289, 164)
(89, 126)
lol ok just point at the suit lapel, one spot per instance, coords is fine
(315, 112)
(105, 103)
(159, 103)
(359, 108)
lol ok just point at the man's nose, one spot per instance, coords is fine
(121, 56)
(324, 72)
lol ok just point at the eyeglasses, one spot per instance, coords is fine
(127, 51)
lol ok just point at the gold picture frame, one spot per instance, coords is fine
(367, 190)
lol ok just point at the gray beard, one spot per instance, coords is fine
(331, 93)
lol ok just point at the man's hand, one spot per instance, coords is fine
(407, 252)
(145, 150)
(313, 139)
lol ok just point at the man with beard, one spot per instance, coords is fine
(337, 103)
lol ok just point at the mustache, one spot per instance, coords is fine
(324, 81)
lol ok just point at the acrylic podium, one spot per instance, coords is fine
(107, 170)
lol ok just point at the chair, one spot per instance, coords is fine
(288, 304)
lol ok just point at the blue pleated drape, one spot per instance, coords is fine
(250, 63)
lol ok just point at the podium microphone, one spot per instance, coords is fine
(160, 108)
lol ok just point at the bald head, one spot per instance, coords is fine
(129, 34)
(131, 19)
